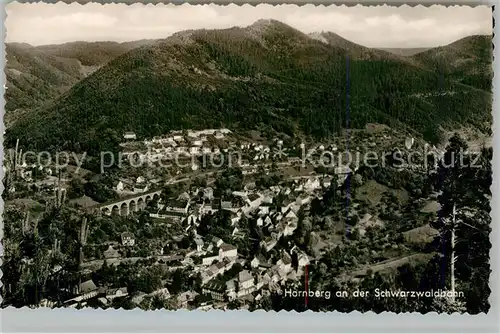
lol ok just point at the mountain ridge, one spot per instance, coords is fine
(266, 75)
(28, 68)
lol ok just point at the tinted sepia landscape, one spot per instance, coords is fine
(252, 166)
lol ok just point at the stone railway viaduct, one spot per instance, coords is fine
(126, 205)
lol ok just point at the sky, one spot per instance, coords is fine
(381, 26)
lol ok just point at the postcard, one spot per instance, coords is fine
(208, 157)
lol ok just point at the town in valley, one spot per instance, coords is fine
(248, 162)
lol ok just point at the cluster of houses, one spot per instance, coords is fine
(192, 206)
(191, 144)
(263, 277)
(137, 186)
(88, 290)
(181, 144)
(26, 171)
(274, 211)
(275, 220)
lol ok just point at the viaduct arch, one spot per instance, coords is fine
(127, 205)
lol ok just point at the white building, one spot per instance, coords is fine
(120, 186)
(209, 260)
(303, 260)
(312, 184)
(255, 262)
(226, 250)
(129, 135)
(128, 239)
(245, 283)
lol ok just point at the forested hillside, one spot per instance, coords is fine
(39, 74)
(267, 75)
(468, 61)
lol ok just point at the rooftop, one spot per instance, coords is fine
(226, 205)
(176, 203)
(87, 286)
(127, 235)
(227, 247)
(244, 276)
(215, 286)
(253, 197)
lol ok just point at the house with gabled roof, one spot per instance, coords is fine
(268, 243)
(245, 283)
(168, 214)
(267, 221)
(275, 277)
(208, 193)
(119, 186)
(209, 247)
(255, 262)
(265, 278)
(289, 213)
(140, 188)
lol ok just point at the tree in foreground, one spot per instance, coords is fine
(464, 225)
